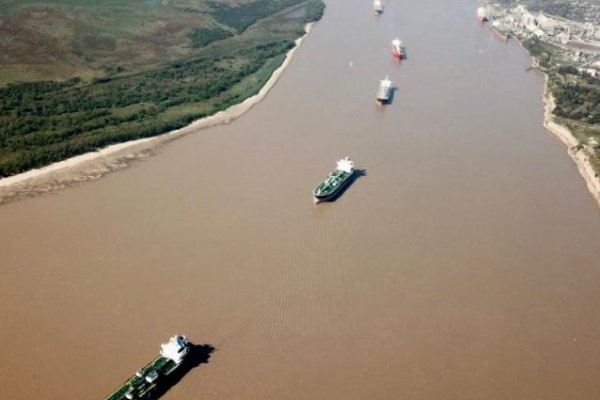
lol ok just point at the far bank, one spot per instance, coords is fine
(94, 165)
(44, 122)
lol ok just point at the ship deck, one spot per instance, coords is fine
(140, 386)
(332, 183)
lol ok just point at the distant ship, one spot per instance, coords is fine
(335, 181)
(377, 6)
(482, 14)
(145, 382)
(500, 30)
(385, 91)
(397, 49)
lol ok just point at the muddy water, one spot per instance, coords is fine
(463, 265)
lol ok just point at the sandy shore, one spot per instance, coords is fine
(579, 152)
(93, 165)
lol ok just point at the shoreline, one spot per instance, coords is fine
(576, 150)
(579, 152)
(94, 165)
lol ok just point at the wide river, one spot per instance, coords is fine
(464, 263)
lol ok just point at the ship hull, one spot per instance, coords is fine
(335, 192)
(397, 55)
(384, 95)
(155, 378)
(384, 98)
(482, 14)
(144, 389)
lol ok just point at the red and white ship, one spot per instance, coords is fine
(398, 49)
(482, 14)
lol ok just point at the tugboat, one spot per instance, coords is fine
(385, 91)
(146, 380)
(398, 49)
(335, 181)
(377, 6)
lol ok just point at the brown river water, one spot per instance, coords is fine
(464, 263)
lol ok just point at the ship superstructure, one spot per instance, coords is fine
(330, 187)
(144, 383)
(385, 91)
(377, 6)
(482, 14)
(398, 49)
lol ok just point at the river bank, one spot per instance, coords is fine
(579, 153)
(468, 243)
(546, 56)
(94, 165)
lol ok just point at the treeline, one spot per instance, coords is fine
(578, 101)
(242, 16)
(201, 37)
(314, 11)
(44, 122)
(577, 95)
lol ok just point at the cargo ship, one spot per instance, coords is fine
(397, 49)
(482, 14)
(500, 30)
(385, 91)
(335, 181)
(377, 6)
(146, 381)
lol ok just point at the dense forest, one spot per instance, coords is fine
(578, 99)
(43, 122)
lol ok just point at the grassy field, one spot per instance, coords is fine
(99, 72)
(58, 39)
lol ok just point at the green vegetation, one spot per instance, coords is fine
(242, 16)
(577, 94)
(577, 98)
(201, 37)
(46, 121)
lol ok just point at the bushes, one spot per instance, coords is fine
(201, 37)
(48, 121)
(578, 101)
(242, 16)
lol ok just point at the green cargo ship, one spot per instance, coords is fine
(146, 380)
(335, 181)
